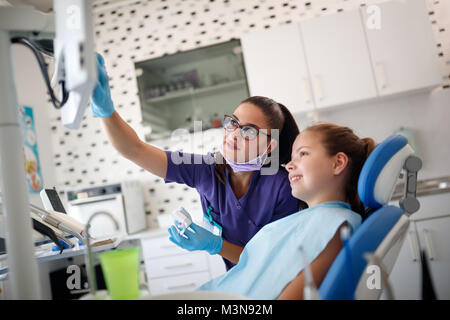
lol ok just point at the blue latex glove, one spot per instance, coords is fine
(200, 239)
(101, 103)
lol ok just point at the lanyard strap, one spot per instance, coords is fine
(208, 215)
(210, 218)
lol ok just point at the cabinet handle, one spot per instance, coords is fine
(166, 246)
(318, 88)
(381, 75)
(412, 246)
(191, 284)
(428, 243)
(306, 90)
(178, 265)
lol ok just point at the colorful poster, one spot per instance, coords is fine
(30, 150)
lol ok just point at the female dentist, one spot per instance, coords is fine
(235, 197)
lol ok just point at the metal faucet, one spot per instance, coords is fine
(88, 258)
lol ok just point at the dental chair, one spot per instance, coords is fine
(375, 245)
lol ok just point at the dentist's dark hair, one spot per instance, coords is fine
(278, 117)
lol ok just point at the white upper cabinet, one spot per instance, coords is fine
(403, 50)
(344, 58)
(276, 67)
(338, 59)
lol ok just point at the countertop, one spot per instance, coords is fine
(44, 252)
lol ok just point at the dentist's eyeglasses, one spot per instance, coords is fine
(248, 132)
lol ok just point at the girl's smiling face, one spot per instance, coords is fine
(311, 170)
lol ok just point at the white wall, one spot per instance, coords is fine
(427, 114)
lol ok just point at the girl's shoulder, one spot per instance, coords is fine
(336, 214)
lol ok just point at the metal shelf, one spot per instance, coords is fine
(199, 91)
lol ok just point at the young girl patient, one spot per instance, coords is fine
(323, 172)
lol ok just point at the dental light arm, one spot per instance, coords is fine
(74, 57)
(72, 49)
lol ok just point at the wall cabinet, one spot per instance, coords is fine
(341, 59)
(403, 50)
(276, 67)
(338, 59)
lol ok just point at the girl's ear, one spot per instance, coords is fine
(340, 163)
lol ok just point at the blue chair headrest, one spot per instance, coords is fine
(381, 170)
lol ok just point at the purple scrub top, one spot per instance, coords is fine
(268, 198)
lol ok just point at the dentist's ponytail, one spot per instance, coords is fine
(279, 117)
(288, 134)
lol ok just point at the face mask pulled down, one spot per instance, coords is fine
(251, 165)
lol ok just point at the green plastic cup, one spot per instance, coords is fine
(121, 272)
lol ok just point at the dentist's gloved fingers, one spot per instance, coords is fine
(173, 240)
(196, 228)
(189, 233)
(101, 103)
(175, 229)
(98, 93)
(176, 236)
(179, 240)
(102, 75)
(100, 59)
(173, 232)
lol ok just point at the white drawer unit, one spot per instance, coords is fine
(181, 283)
(173, 269)
(159, 247)
(175, 265)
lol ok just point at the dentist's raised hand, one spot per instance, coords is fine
(199, 239)
(101, 103)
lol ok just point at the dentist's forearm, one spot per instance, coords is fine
(123, 138)
(231, 251)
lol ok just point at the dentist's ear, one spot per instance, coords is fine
(340, 163)
(273, 144)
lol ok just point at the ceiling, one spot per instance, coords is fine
(47, 5)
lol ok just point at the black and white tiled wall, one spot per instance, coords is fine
(142, 30)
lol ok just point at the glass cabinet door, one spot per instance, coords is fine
(198, 85)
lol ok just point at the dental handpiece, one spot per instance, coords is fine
(182, 219)
(44, 215)
(310, 291)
